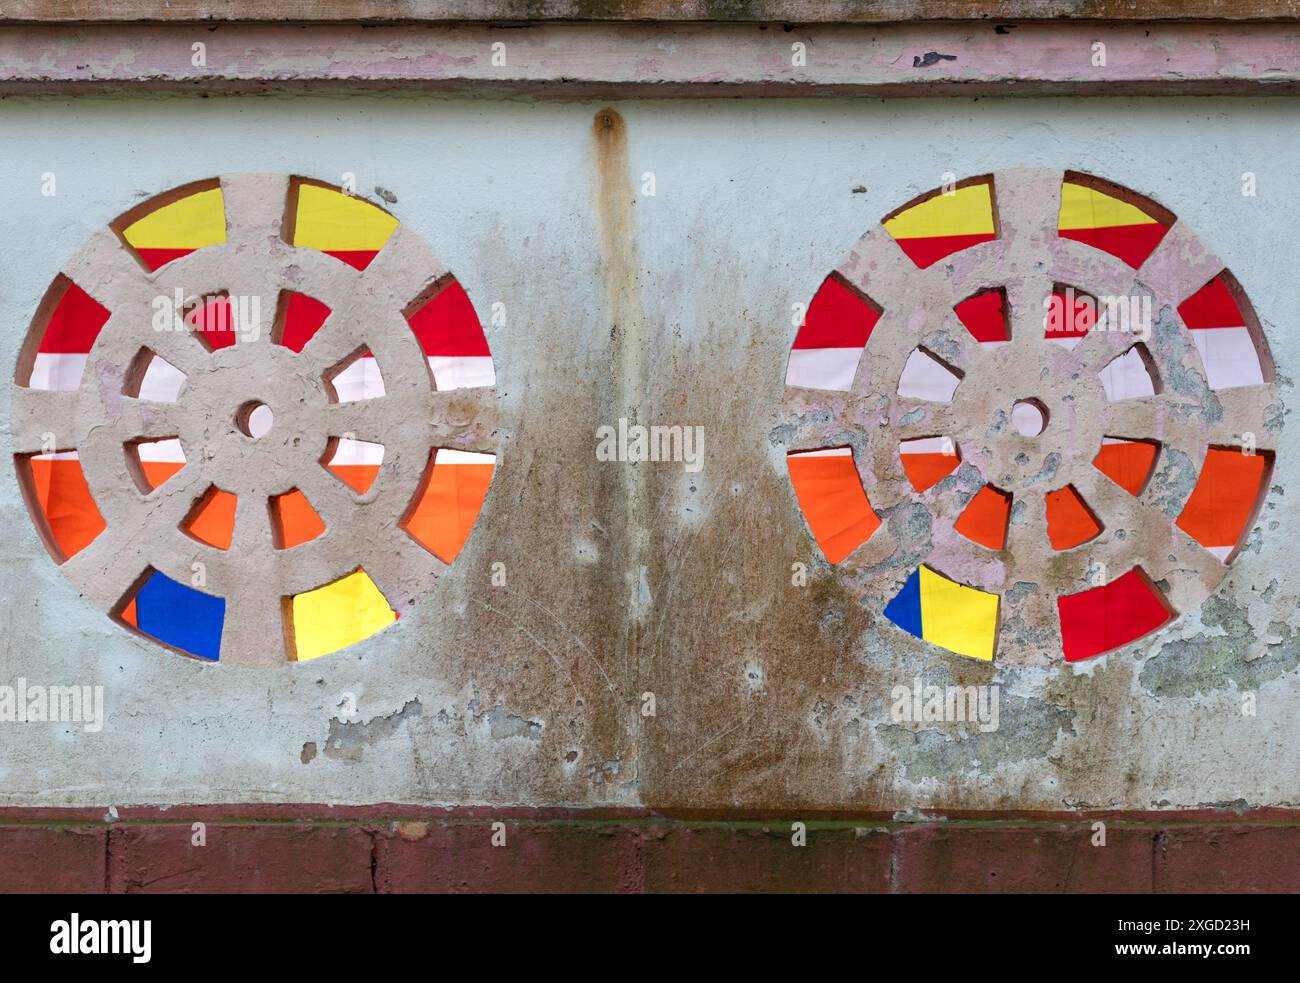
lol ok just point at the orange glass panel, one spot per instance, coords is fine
(1225, 498)
(60, 493)
(1128, 463)
(449, 501)
(1069, 520)
(833, 500)
(212, 520)
(985, 518)
(293, 520)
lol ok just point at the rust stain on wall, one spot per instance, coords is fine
(615, 200)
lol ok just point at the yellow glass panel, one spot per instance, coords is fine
(192, 222)
(1086, 208)
(956, 617)
(337, 615)
(967, 211)
(331, 221)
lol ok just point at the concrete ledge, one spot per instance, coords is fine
(613, 61)
(405, 850)
(796, 11)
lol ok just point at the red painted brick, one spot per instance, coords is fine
(296, 857)
(52, 860)
(537, 857)
(550, 851)
(1048, 858)
(1228, 858)
(710, 859)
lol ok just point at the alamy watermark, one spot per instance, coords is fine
(1070, 313)
(28, 704)
(237, 313)
(103, 936)
(920, 703)
(635, 443)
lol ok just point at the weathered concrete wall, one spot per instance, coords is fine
(624, 580)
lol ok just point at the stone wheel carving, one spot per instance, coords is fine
(142, 530)
(1028, 258)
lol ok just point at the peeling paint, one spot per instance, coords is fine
(1029, 729)
(1208, 663)
(348, 740)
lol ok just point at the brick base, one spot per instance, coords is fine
(392, 849)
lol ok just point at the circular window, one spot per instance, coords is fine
(1059, 436)
(254, 419)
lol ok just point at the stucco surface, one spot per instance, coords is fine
(625, 579)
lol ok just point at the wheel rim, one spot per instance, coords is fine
(143, 531)
(1029, 259)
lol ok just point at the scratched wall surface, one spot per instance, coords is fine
(624, 580)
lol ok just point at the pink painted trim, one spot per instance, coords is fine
(520, 11)
(668, 59)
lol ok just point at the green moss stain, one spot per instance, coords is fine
(1210, 663)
